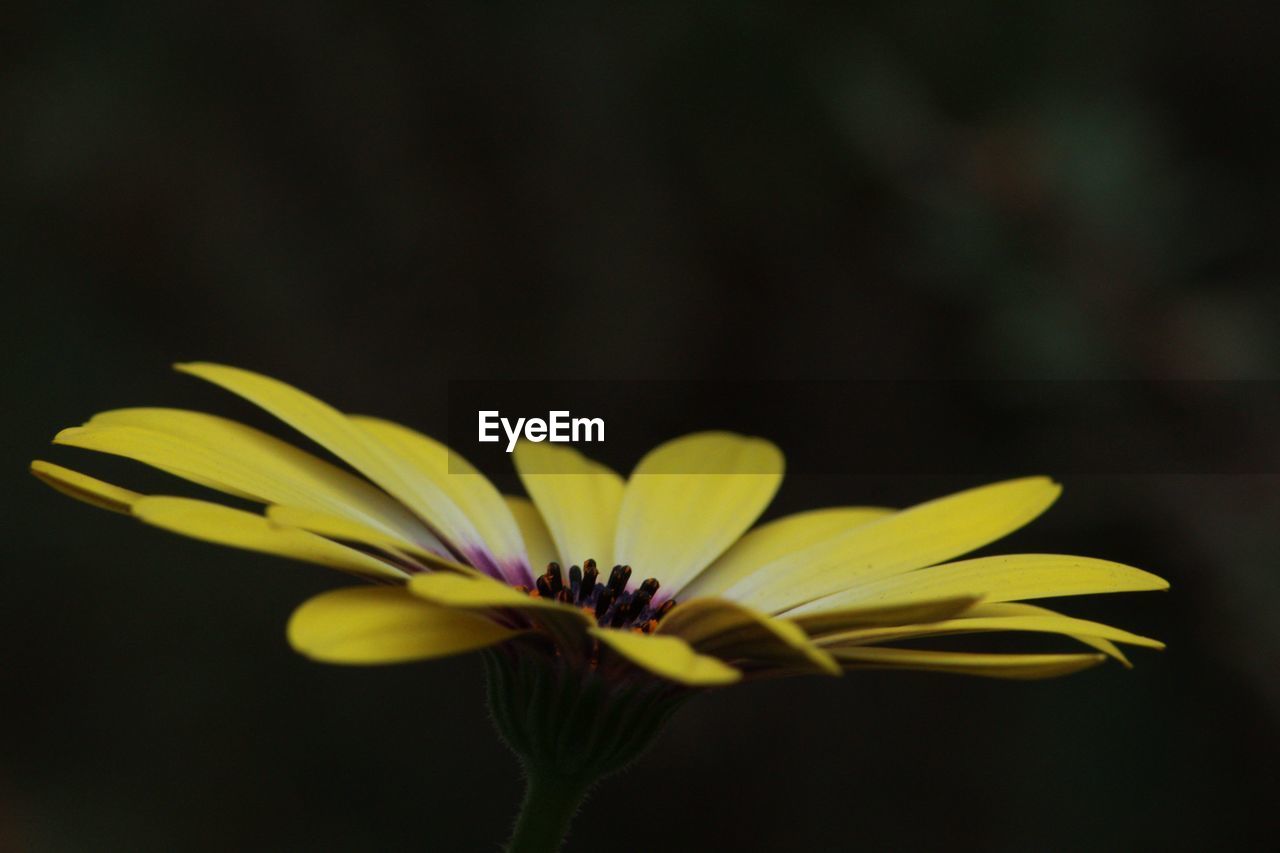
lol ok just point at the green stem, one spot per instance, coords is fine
(550, 802)
(570, 727)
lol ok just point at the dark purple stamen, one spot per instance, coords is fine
(603, 601)
(554, 578)
(589, 575)
(618, 578)
(611, 603)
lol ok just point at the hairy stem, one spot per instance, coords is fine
(549, 805)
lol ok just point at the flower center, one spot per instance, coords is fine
(611, 604)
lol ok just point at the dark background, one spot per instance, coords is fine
(370, 202)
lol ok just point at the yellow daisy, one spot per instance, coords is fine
(602, 601)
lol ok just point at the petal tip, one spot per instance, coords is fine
(202, 369)
(668, 657)
(67, 436)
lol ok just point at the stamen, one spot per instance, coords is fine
(618, 578)
(589, 575)
(621, 612)
(640, 600)
(553, 577)
(611, 603)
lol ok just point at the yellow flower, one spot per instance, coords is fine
(585, 665)
(694, 597)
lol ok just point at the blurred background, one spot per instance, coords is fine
(370, 202)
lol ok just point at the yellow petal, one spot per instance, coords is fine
(162, 452)
(732, 632)
(1049, 624)
(478, 593)
(461, 485)
(481, 593)
(238, 529)
(873, 615)
(345, 529)
(242, 461)
(223, 525)
(965, 663)
(85, 488)
(351, 442)
(286, 467)
(377, 625)
(822, 625)
(537, 538)
(1007, 577)
(668, 657)
(925, 534)
(578, 499)
(775, 540)
(1107, 647)
(690, 499)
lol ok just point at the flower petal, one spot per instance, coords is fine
(965, 663)
(690, 499)
(1006, 608)
(219, 524)
(925, 534)
(1007, 577)
(1048, 624)
(238, 529)
(577, 497)
(354, 444)
(343, 529)
(537, 538)
(479, 592)
(242, 461)
(732, 632)
(872, 615)
(379, 625)
(564, 622)
(775, 540)
(177, 458)
(668, 657)
(85, 488)
(463, 486)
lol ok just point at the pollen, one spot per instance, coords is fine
(608, 602)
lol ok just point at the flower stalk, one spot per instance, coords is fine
(545, 814)
(570, 727)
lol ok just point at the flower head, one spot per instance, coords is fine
(657, 582)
